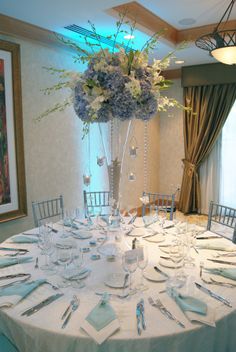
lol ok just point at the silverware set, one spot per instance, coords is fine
(158, 304)
(72, 307)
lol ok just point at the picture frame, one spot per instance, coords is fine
(13, 204)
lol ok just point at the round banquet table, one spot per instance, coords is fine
(41, 332)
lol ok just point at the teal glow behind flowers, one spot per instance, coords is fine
(118, 83)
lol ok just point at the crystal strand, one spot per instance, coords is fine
(111, 169)
(145, 150)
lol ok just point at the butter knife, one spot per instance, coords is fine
(219, 261)
(13, 249)
(213, 295)
(161, 272)
(42, 304)
(207, 237)
(13, 276)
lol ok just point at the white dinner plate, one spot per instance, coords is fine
(151, 274)
(82, 234)
(115, 280)
(138, 232)
(159, 237)
(167, 263)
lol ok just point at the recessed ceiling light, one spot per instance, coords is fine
(179, 62)
(187, 21)
(129, 36)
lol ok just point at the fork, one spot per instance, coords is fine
(157, 303)
(74, 306)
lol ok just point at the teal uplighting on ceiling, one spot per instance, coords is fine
(105, 36)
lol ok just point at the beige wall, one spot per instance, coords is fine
(55, 155)
(171, 143)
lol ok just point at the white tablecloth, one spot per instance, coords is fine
(42, 331)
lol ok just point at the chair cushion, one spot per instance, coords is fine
(6, 345)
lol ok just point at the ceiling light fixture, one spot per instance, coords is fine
(221, 43)
(129, 36)
(179, 62)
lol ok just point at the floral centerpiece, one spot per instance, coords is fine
(120, 83)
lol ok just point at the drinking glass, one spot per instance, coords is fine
(64, 258)
(46, 244)
(130, 264)
(77, 261)
(142, 264)
(161, 216)
(177, 257)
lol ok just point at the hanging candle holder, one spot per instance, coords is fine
(133, 147)
(100, 160)
(87, 179)
(131, 176)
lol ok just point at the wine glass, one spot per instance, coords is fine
(64, 258)
(161, 216)
(176, 253)
(132, 212)
(130, 264)
(142, 264)
(46, 244)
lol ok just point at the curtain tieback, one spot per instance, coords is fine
(191, 168)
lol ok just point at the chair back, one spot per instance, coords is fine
(99, 199)
(162, 202)
(222, 220)
(46, 209)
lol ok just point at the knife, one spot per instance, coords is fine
(13, 249)
(214, 295)
(207, 237)
(12, 276)
(42, 304)
(161, 272)
(150, 235)
(219, 261)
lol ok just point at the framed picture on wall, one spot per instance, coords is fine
(12, 171)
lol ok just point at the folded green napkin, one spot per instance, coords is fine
(68, 223)
(230, 273)
(7, 261)
(24, 239)
(21, 289)
(188, 303)
(217, 247)
(102, 315)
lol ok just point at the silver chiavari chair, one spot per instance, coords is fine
(99, 200)
(48, 209)
(164, 202)
(221, 218)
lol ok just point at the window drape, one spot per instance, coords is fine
(211, 105)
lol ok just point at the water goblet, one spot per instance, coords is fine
(64, 258)
(142, 264)
(46, 244)
(130, 264)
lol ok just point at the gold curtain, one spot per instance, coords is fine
(212, 105)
